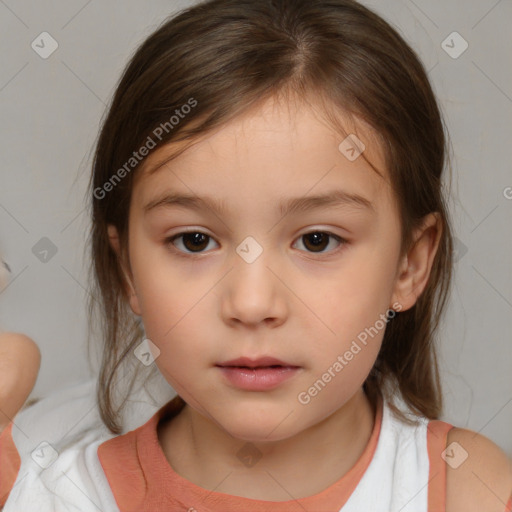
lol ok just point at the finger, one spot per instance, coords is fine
(20, 361)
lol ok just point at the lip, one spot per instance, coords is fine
(258, 379)
(260, 374)
(255, 363)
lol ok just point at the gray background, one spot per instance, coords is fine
(50, 113)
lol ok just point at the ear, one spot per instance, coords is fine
(414, 269)
(114, 241)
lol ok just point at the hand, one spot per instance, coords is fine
(20, 360)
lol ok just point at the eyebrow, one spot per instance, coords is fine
(335, 198)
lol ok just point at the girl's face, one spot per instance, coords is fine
(255, 280)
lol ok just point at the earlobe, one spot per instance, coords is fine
(113, 237)
(134, 302)
(416, 265)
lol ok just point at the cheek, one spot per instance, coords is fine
(172, 307)
(354, 297)
(164, 295)
(352, 305)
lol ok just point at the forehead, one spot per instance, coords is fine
(278, 149)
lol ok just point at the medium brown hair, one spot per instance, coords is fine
(230, 55)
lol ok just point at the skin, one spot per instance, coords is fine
(293, 303)
(20, 360)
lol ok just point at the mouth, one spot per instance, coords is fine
(260, 374)
(261, 362)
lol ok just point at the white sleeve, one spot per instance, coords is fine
(57, 440)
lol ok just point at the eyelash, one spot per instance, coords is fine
(169, 241)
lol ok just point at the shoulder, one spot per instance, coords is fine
(478, 473)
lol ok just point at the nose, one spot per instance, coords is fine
(252, 293)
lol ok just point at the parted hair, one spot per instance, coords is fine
(227, 56)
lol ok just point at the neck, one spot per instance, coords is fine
(203, 453)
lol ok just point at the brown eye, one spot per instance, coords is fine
(317, 241)
(193, 241)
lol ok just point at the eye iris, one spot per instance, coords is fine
(195, 238)
(319, 239)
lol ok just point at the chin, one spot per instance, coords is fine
(257, 435)
(261, 428)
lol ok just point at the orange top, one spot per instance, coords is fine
(10, 463)
(437, 434)
(141, 479)
(147, 482)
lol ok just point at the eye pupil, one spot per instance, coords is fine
(195, 238)
(317, 238)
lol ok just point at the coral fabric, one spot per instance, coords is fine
(147, 482)
(10, 463)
